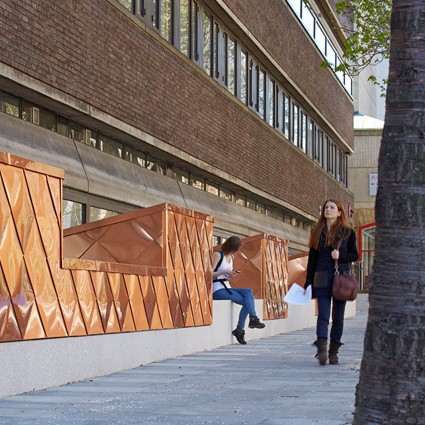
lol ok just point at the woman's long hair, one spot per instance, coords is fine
(340, 229)
(231, 245)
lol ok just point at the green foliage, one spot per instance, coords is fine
(369, 42)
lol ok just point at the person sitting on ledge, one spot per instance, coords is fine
(222, 290)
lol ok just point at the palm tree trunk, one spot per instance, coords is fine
(391, 387)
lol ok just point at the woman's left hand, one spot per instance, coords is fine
(335, 254)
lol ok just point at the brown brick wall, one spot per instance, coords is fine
(95, 53)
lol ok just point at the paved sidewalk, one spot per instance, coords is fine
(272, 381)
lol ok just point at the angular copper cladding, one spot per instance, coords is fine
(262, 260)
(148, 269)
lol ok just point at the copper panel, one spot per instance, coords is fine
(150, 300)
(9, 330)
(122, 303)
(42, 285)
(142, 236)
(19, 200)
(297, 268)
(148, 269)
(163, 304)
(70, 307)
(105, 302)
(137, 304)
(88, 302)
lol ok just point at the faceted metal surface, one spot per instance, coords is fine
(262, 260)
(148, 269)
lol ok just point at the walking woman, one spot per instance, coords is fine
(223, 271)
(331, 239)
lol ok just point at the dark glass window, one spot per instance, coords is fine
(73, 213)
(9, 104)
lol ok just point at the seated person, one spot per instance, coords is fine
(223, 271)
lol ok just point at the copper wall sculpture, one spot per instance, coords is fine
(162, 283)
(262, 260)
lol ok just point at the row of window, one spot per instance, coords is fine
(313, 27)
(77, 213)
(195, 31)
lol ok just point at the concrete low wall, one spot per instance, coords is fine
(40, 364)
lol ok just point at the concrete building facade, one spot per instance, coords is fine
(219, 106)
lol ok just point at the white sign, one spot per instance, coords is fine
(373, 184)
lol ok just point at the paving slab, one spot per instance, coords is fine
(271, 381)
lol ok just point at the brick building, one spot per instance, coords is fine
(220, 106)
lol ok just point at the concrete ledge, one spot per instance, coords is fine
(40, 364)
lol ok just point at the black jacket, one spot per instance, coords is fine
(322, 266)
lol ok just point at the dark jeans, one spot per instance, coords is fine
(338, 310)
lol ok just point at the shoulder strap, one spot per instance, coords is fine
(221, 260)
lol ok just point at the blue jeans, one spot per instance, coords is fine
(241, 296)
(338, 310)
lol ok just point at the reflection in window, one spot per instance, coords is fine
(185, 27)
(9, 104)
(180, 175)
(286, 115)
(250, 203)
(230, 68)
(240, 199)
(261, 93)
(63, 126)
(226, 193)
(166, 20)
(206, 52)
(101, 213)
(128, 4)
(73, 213)
(156, 165)
(295, 132)
(243, 77)
(270, 102)
(108, 145)
(135, 156)
(211, 187)
(197, 182)
(76, 131)
(195, 28)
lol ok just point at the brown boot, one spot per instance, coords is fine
(321, 354)
(333, 351)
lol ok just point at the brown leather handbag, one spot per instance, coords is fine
(344, 288)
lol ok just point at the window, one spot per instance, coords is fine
(184, 27)
(243, 77)
(180, 175)
(110, 146)
(270, 110)
(240, 199)
(128, 4)
(226, 193)
(135, 156)
(156, 165)
(231, 65)
(197, 182)
(162, 18)
(207, 44)
(286, 115)
(261, 93)
(9, 104)
(295, 126)
(211, 187)
(73, 213)
(101, 213)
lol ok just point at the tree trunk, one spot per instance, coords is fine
(391, 389)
